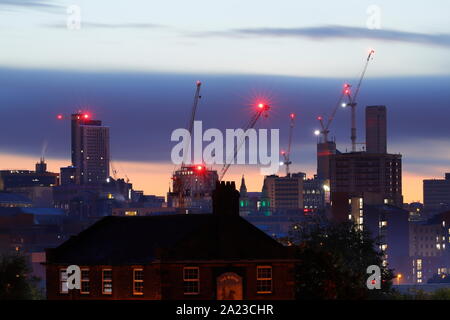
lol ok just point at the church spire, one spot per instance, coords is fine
(243, 188)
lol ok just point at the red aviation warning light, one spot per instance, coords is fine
(263, 108)
(292, 115)
(199, 168)
(59, 117)
(346, 89)
(85, 116)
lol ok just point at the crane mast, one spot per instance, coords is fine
(287, 155)
(352, 99)
(183, 186)
(190, 125)
(326, 126)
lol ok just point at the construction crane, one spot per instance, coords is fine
(182, 184)
(325, 127)
(287, 154)
(190, 125)
(262, 110)
(352, 98)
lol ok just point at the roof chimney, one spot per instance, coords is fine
(226, 199)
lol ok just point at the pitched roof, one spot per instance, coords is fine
(141, 240)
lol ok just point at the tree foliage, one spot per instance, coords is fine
(15, 282)
(333, 263)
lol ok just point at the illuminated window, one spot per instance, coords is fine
(107, 281)
(63, 281)
(264, 279)
(131, 213)
(85, 284)
(191, 277)
(138, 281)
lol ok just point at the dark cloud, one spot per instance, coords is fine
(142, 110)
(336, 32)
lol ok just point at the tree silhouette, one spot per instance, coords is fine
(15, 283)
(333, 263)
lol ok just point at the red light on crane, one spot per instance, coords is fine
(261, 105)
(319, 118)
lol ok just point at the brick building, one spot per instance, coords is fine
(199, 256)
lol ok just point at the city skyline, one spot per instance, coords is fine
(252, 150)
(424, 150)
(146, 61)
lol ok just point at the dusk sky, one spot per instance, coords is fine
(133, 64)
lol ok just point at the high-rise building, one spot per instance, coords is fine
(90, 150)
(285, 192)
(374, 174)
(192, 188)
(376, 129)
(315, 192)
(324, 151)
(377, 177)
(436, 194)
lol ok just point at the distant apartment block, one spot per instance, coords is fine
(436, 194)
(285, 193)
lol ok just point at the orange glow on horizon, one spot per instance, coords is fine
(155, 178)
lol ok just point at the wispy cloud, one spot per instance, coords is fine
(32, 4)
(98, 25)
(335, 32)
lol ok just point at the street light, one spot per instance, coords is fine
(399, 276)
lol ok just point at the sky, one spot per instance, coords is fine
(134, 64)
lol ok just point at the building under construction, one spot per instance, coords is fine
(192, 187)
